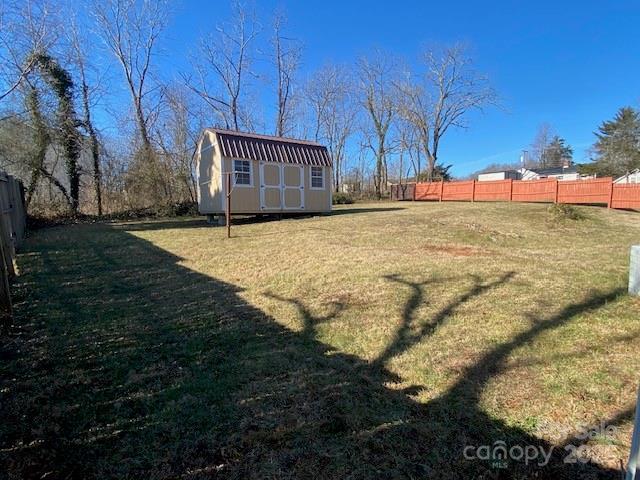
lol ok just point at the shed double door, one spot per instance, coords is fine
(281, 187)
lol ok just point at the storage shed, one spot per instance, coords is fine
(270, 174)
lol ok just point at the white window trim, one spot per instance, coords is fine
(324, 183)
(233, 170)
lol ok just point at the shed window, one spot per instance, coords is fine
(242, 172)
(317, 177)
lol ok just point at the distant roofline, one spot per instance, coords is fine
(261, 136)
(499, 171)
(573, 167)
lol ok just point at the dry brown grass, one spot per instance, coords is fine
(353, 335)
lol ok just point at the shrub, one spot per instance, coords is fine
(564, 211)
(342, 198)
(180, 209)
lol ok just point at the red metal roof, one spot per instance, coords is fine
(266, 148)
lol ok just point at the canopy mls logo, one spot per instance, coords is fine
(499, 454)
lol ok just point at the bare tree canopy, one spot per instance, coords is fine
(540, 143)
(130, 29)
(286, 55)
(222, 66)
(331, 97)
(441, 96)
(134, 144)
(25, 27)
(77, 40)
(377, 97)
(178, 131)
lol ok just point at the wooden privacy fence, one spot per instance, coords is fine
(597, 191)
(12, 229)
(402, 191)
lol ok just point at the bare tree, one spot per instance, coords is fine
(330, 94)
(178, 133)
(541, 143)
(222, 67)
(377, 97)
(25, 27)
(407, 146)
(130, 29)
(442, 97)
(413, 149)
(287, 53)
(78, 43)
(414, 105)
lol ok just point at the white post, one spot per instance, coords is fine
(635, 444)
(634, 271)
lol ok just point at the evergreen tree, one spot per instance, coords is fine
(618, 146)
(440, 173)
(557, 153)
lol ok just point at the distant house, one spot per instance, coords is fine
(559, 173)
(501, 175)
(631, 177)
(569, 172)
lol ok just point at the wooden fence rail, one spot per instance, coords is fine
(594, 192)
(13, 219)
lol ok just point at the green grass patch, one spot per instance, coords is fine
(376, 342)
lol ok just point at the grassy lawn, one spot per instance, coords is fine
(376, 342)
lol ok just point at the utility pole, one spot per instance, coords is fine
(523, 158)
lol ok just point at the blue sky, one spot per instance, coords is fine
(571, 64)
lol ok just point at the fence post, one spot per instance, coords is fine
(511, 189)
(441, 189)
(8, 248)
(413, 195)
(5, 292)
(610, 195)
(555, 200)
(473, 190)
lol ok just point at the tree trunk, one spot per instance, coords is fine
(379, 169)
(142, 125)
(95, 147)
(431, 165)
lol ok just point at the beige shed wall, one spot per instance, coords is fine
(208, 174)
(246, 199)
(317, 200)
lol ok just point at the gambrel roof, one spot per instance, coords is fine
(265, 148)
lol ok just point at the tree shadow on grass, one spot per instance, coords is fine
(406, 336)
(164, 224)
(201, 222)
(128, 365)
(310, 321)
(350, 211)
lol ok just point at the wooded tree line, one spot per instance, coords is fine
(79, 147)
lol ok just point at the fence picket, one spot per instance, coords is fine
(12, 229)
